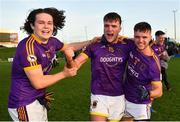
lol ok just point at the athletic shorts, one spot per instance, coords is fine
(111, 107)
(137, 111)
(32, 112)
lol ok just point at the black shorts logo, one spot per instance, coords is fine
(94, 104)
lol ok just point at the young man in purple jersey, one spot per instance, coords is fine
(159, 47)
(143, 82)
(32, 63)
(108, 62)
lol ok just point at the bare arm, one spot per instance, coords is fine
(40, 81)
(69, 57)
(156, 90)
(79, 45)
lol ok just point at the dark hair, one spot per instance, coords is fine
(142, 27)
(112, 16)
(57, 15)
(159, 32)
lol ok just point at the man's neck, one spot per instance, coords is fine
(147, 51)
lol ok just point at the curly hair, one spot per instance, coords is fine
(57, 15)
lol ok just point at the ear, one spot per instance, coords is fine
(32, 26)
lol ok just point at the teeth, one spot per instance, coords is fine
(45, 32)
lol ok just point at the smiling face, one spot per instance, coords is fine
(160, 39)
(43, 26)
(142, 39)
(111, 30)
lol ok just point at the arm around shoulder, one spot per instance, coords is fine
(79, 45)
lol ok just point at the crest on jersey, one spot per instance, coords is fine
(142, 66)
(48, 54)
(31, 58)
(111, 49)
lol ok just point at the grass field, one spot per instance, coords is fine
(6, 53)
(72, 95)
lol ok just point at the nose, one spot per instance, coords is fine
(110, 28)
(139, 40)
(46, 25)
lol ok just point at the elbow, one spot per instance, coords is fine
(156, 94)
(159, 94)
(37, 85)
(160, 91)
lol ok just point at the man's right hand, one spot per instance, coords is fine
(69, 72)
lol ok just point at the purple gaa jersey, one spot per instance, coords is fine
(141, 72)
(108, 62)
(30, 54)
(158, 49)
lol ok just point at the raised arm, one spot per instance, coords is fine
(79, 45)
(70, 48)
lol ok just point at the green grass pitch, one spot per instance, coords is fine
(72, 95)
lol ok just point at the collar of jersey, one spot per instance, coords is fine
(36, 38)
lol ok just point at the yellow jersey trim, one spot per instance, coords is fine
(113, 120)
(30, 49)
(36, 38)
(157, 61)
(155, 82)
(99, 114)
(84, 55)
(32, 67)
